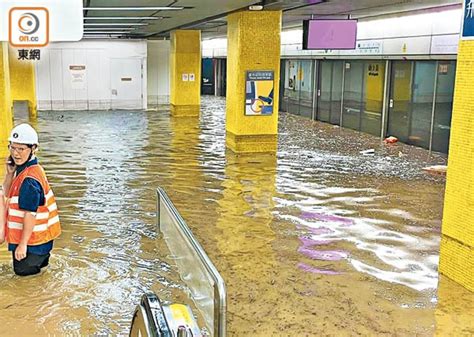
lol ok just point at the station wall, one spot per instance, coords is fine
(92, 75)
(158, 72)
(425, 33)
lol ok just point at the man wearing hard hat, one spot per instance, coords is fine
(32, 221)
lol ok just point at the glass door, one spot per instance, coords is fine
(306, 84)
(422, 103)
(353, 94)
(291, 90)
(329, 91)
(372, 98)
(324, 91)
(443, 105)
(363, 96)
(411, 101)
(400, 100)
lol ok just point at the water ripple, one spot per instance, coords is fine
(315, 240)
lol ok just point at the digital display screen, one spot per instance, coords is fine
(329, 34)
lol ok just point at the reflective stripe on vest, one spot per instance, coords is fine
(47, 226)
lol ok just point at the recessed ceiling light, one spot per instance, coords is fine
(256, 8)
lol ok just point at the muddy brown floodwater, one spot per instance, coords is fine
(318, 240)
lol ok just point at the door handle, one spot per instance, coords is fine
(390, 104)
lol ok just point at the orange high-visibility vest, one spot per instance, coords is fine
(47, 225)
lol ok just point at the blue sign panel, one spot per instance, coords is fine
(468, 20)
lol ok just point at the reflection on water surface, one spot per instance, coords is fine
(317, 240)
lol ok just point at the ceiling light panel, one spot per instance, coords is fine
(132, 8)
(116, 24)
(106, 28)
(124, 18)
(106, 32)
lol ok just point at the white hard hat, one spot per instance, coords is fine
(24, 134)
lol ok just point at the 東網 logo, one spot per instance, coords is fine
(29, 26)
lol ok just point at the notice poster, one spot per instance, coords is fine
(78, 76)
(259, 93)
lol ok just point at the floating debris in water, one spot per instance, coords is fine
(367, 152)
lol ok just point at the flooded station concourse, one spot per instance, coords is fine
(310, 169)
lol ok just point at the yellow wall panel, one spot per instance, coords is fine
(457, 258)
(6, 117)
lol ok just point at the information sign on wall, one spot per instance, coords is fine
(78, 76)
(259, 93)
(467, 32)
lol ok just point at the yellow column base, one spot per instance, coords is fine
(251, 143)
(457, 262)
(32, 109)
(185, 110)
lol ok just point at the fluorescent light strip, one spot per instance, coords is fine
(102, 36)
(107, 28)
(110, 34)
(106, 32)
(132, 8)
(123, 18)
(116, 24)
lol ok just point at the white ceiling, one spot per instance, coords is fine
(363, 8)
(195, 11)
(210, 15)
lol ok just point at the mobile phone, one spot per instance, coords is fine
(10, 161)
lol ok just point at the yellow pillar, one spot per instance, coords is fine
(457, 242)
(22, 81)
(253, 45)
(185, 72)
(6, 117)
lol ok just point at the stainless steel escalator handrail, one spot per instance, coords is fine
(220, 305)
